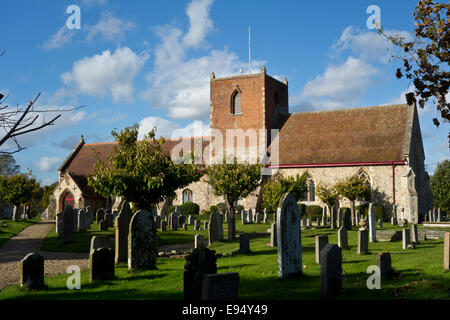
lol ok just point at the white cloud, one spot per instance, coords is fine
(59, 39)
(339, 86)
(48, 163)
(109, 28)
(91, 3)
(106, 73)
(171, 130)
(200, 22)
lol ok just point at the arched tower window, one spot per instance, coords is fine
(188, 196)
(236, 107)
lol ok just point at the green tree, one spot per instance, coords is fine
(275, 189)
(440, 186)
(47, 191)
(426, 59)
(141, 172)
(233, 181)
(352, 188)
(328, 195)
(18, 189)
(8, 164)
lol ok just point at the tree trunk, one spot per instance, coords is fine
(231, 220)
(15, 214)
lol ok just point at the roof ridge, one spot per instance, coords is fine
(355, 108)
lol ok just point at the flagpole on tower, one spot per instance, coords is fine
(249, 53)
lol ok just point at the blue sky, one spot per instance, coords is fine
(149, 62)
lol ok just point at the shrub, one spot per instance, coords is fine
(171, 209)
(213, 209)
(302, 209)
(379, 211)
(204, 212)
(239, 208)
(221, 207)
(343, 210)
(314, 211)
(189, 208)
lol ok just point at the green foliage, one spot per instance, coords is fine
(239, 208)
(213, 209)
(379, 211)
(141, 172)
(302, 209)
(171, 209)
(221, 207)
(47, 192)
(352, 188)
(313, 211)
(19, 188)
(440, 186)
(204, 212)
(328, 194)
(276, 188)
(343, 210)
(190, 208)
(8, 164)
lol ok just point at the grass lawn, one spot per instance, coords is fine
(9, 228)
(420, 273)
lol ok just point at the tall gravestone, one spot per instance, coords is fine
(68, 221)
(372, 226)
(384, 263)
(250, 216)
(75, 219)
(439, 215)
(447, 251)
(215, 231)
(406, 238)
(363, 241)
(289, 238)
(244, 217)
(244, 243)
(101, 264)
(339, 218)
(142, 241)
(342, 238)
(196, 224)
(199, 262)
(109, 220)
(394, 220)
(100, 215)
(198, 241)
(32, 271)
(121, 229)
(347, 219)
(81, 217)
(59, 224)
(333, 217)
(321, 242)
(273, 235)
(157, 221)
(89, 216)
(331, 270)
(414, 233)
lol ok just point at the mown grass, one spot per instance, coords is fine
(420, 273)
(9, 228)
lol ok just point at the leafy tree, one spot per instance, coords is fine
(426, 59)
(8, 164)
(276, 188)
(233, 181)
(18, 189)
(440, 186)
(141, 172)
(352, 188)
(328, 195)
(47, 191)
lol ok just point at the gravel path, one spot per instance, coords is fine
(30, 240)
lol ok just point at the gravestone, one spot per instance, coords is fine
(331, 270)
(190, 219)
(289, 238)
(98, 242)
(250, 216)
(244, 243)
(141, 241)
(109, 220)
(321, 242)
(384, 263)
(406, 238)
(75, 219)
(439, 215)
(273, 235)
(414, 233)
(157, 221)
(163, 225)
(199, 262)
(343, 238)
(394, 219)
(363, 241)
(196, 224)
(100, 215)
(244, 217)
(324, 216)
(101, 264)
(265, 219)
(121, 229)
(67, 235)
(185, 227)
(333, 217)
(59, 224)
(215, 231)
(198, 241)
(205, 225)
(173, 223)
(32, 271)
(89, 216)
(103, 225)
(447, 251)
(258, 217)
(181, 220)
(347, 220)
(308, 223)
(81, 216)
(339, 218)
(372, 227)
(220, 286)
(303, 221)
(318, 222)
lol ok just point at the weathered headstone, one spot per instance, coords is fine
(343, 238)
(447, 251)
(244, 243)
(321, 242)
(100, 215)
(173, 223)
(109, 220)
(215, 231)
(384, 263)
(331, 270)
(339, 218)
(101, 264)
(372, 227)
(32, 271)
(98, 242)
(196, 224)
(81, 217)
(289, 238)
(75, 219)
(394, 219)
(190, 219)
(414, 233)
(103, 225)
(439, 215)
(220, 286)
(198, 241)
(347, 219)
(265, 218)
(59, 224)
(141, 241)
(68, 217)
(273, 235)
(199, 262)
(333, 217)
(363, 241)
(250, 216)
(244, 217)
(406, 238)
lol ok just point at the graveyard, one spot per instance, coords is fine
(418, 272)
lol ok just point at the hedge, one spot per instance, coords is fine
(213, 209)
(189, 208)
(364, 210)
(221, 207)
(302, 209)
(314, 211)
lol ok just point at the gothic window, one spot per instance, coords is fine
(68, 200)
(236, 107)
(188, 196)
(363, 175)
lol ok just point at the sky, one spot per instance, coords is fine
(149, 62)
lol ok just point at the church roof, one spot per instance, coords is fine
(370, 134)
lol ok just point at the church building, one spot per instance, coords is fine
(382, 144)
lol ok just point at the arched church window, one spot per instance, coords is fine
(362, 174)
(236, 107)
(68, 200)
(188, 196)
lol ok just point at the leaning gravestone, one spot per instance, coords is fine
(32, 271)
(244, 243)
(331, 270)
(321, 242)
(363, 241)
(220, 286)
(199, 262)
(372, 227)
(289, 238)
(343, 238)
(406, 238)
(347, 220)
(101, 264)
(384, 263)
(142, 241)
(99, 242)
(273, 235)
(67, 235)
